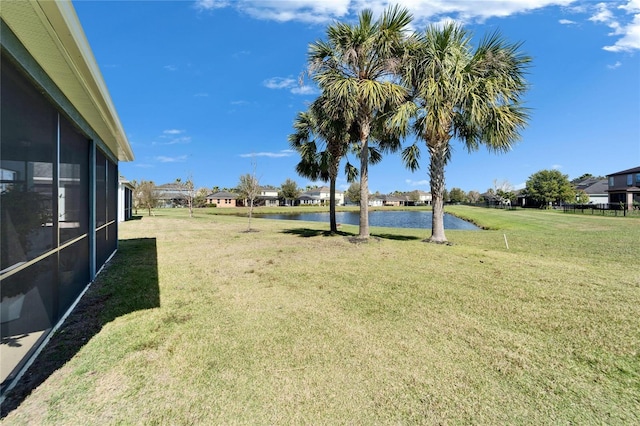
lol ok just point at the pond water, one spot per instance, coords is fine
(394, 219)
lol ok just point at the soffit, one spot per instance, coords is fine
(51, 32)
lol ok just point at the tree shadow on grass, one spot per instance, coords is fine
(308, 232)
(128, 283)
(396, 237)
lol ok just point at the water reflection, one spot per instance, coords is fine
(393, 219)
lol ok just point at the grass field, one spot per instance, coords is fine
(197, 321)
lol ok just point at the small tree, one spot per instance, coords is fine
(473, 196)
(457, 195)
(200, 199)
(289, 191)
(582, 197)
(146, 195)
(549, 186)
(503, 191)
(249, 189)
(188, 190)
(414, 196)
(353, 192)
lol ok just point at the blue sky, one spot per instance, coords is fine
(209, 89)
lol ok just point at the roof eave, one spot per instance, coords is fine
(58, 25)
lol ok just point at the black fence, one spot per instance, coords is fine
(612, 209)
(489, 205)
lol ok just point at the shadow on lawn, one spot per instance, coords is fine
(308, 232)
(128, 283)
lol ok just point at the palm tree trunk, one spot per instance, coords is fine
(332, 206)
(364, 181)
(333, 176)
(436, 172)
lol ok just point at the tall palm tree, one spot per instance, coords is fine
(458, 93)
(315, 127)
(356, 68)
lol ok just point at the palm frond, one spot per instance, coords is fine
(411, 157)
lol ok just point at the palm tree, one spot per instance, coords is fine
(318, 127)
(460, 94)
(355, 68)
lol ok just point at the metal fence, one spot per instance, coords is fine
(611, 209)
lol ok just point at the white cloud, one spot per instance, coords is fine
(305, 90)
(283, 153)
(624, 21)
(174, 136)
(211, 4)
(556, 166)
(614, 66)
(241, 54)
(630, 41)
(201, 95)
(181, 139)
(289, 84)
(411, 182)
(178, 159)
(312, 11)
(319, 12)
(279, 83)
(170, 67)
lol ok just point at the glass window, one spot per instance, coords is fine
(629, 179)
(638, 179)
(611, 181)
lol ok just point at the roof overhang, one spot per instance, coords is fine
(53, 35)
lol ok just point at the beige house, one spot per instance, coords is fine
(222, 199)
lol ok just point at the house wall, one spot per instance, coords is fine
(624, 188)
(598, 198)
(223, 203)
(125, 201)
(59, 201)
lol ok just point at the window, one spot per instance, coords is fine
(611, 181)
(629, 179)
(638, 179)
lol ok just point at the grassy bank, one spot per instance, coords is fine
(204, 323)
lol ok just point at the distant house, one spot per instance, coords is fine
(268, 197)
(125, 199)
(222, 199)
(424, 197)
(320, 196)
(595, 188)
(396, 200)
(624, 187)
(170, 195)
(376, 201)
(306, 199)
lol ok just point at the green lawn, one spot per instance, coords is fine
(204, 323)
